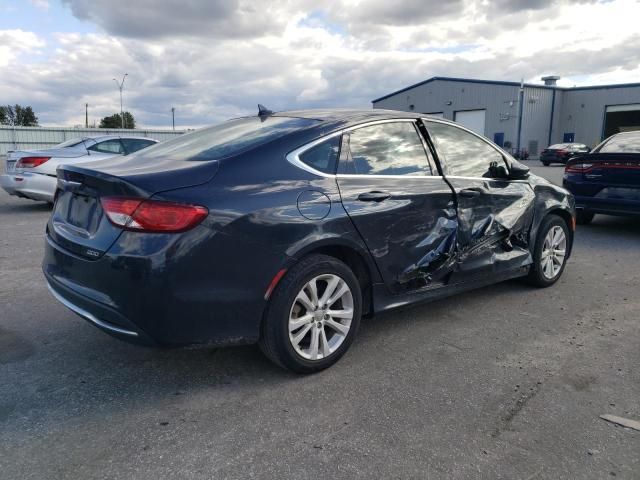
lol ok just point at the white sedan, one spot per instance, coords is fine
(32, 173)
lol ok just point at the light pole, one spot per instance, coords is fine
(120, 87)
(173, 117)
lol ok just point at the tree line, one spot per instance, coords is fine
(19, 116)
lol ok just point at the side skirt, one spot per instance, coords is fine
(383, 301)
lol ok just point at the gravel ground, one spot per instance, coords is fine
(503, 382)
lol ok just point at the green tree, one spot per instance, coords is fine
(18, 116)
(114, 121)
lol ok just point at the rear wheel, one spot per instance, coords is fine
(313, 315)
(546, 164)
(584, 217)
(550, 252)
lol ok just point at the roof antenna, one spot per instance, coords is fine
(264, 111)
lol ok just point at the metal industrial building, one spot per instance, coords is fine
(528, 116)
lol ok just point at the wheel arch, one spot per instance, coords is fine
(355, 257)
(568, 218)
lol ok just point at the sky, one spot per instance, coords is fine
(217, 59)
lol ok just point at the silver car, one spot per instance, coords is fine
(32, 173)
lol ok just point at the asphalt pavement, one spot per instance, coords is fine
(506, 382)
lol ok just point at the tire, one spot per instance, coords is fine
(546, 164)
(584, 217)
(545, 274)
(284, 320)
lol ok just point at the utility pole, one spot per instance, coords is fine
(120, 87)
(173, 117)
(86, 115)
(520, 110)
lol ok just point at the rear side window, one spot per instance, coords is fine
(324, 156)
(226, 139)
(108, 146)
(135, 144)
(625, 143)
(465, 154)
(385, 149)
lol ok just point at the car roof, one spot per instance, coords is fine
(108, 137)
(347, 117)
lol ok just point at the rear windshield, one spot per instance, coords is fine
(70, 143)
(226, 139)
(625, 143)
(559, 146)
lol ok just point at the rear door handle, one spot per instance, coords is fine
(373, 196)
(470, 192)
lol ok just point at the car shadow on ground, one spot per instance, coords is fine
(106, 371)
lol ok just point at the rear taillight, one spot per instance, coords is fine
(152, 215)
(31, 162)
(578, 167)
(562, 152)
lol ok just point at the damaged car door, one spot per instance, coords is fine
(495, 211)
(401, 207)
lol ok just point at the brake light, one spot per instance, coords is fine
(561, 152)
(578, 167)
(31, 162)
(152, 215)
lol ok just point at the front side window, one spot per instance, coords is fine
(385, 149)
(108, 146)
(464, 154)
(323, 156)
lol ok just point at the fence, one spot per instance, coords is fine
(26, 138)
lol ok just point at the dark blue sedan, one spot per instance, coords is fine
(285, 229)
(607, 180)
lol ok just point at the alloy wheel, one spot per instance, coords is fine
(320, 317)
(554, 250)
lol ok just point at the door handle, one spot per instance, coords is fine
(373, 196)
(470, 192)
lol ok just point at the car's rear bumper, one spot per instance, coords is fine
(170, 296)
(99, 315)
(608, 206)
(35, 186)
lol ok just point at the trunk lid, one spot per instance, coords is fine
(619, 169)
(79, 224)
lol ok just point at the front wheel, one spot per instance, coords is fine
(313, 315)
(550, 252)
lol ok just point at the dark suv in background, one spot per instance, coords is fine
(607, 180)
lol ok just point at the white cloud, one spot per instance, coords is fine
(14, 43)
(212, 60)
(42, 4)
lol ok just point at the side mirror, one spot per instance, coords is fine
(518, 171)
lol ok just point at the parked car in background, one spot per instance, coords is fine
(562, 152)
(285, 229)
(32, 173)
(607, 180)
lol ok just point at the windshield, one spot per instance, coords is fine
(226, 139)
(621, 143)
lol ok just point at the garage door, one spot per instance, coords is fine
(472, 119)
(621, 118)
